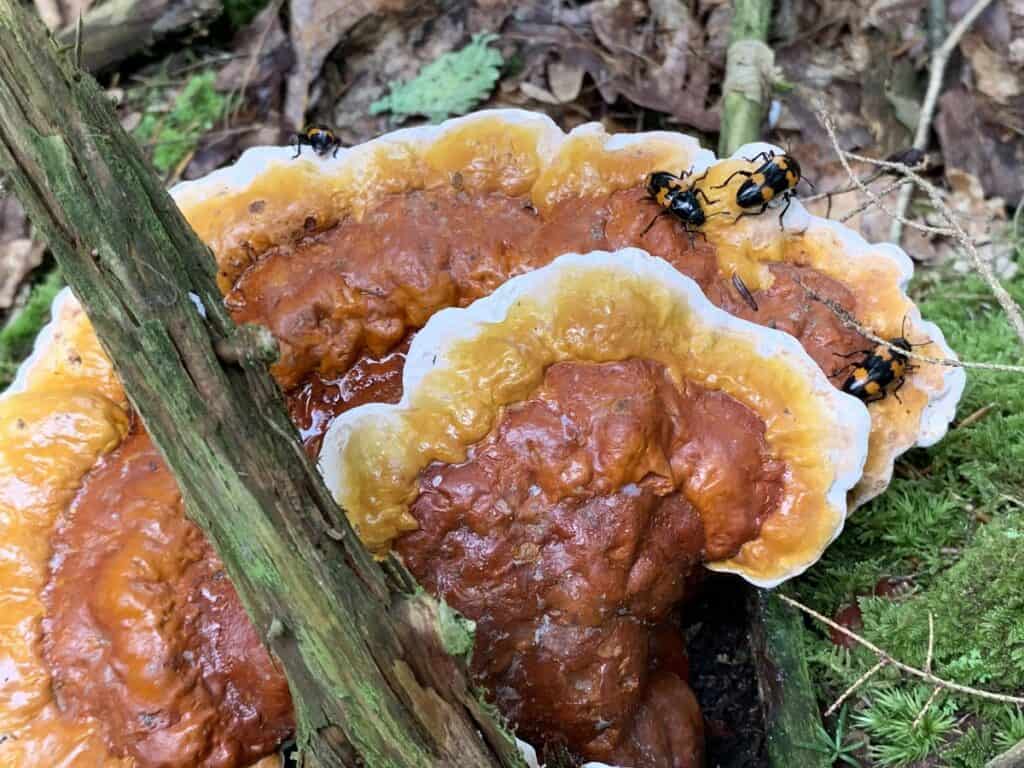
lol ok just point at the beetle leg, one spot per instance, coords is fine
(903, 380)
(751, 213)
(740, 172)
(838, 371)
(657, 216)
(336, 148)
(762, 155)
(789, 201)
(298, 146)
(702, 194)
(851, 354)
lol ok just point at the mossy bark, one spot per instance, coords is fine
(744, 108)
(363, 650)
(790, 708)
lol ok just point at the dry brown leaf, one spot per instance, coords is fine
(982, 142)
(565, 80)
(19, 253)
(61, 13)
(264, 55)
(316, 28)
(538, 93)
(982, 218)
(17, 258)
(655, 59)
(994, 75)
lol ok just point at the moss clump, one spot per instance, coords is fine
(900, 734)
(17, 337)
(457, 632)
(952, 527)
(452, 85)
(174, 133)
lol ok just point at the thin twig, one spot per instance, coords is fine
(931, 678)
(851, 322)
(250, 68)
(975, 417)
(856, 684)
(870, 179)
(926, 707)
(884, 193)
(931, 643)
(1005, 300)
(940, 57)
(826, 120)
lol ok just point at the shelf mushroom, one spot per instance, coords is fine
(346, 259)
(566, 452)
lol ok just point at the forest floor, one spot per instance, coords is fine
(945, 545)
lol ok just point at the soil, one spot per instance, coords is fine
(722, 674)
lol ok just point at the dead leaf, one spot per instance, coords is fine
(264, 57)
(564, 80)
(655, 60)
(393, 49)
(316, 29)
(995, 76)
(537, 93)
(19, 253)
(17, 259)
(982, 142)
(983, 219)
(61, 13)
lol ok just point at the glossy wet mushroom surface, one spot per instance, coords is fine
(345, 318)
(345, 262)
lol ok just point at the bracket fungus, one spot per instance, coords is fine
(594, 388)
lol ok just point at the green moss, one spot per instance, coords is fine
(173, 134)
(457, 632)
(952, 524)
(900, 734)
(452, 85)
(17, 336)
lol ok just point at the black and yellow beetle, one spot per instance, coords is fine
(319, 138)
(874, 375)
(683, 202)
(776, 177)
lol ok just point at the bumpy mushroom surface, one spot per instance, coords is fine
(135, 594)
(304, 247)
(565, 537)
(565, 453)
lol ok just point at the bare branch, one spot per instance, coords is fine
(940, 58)
(883, 655)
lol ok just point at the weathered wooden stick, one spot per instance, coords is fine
(790, 709)
(115, 30)
(1012, 758)
(749, 65)
(367, 658)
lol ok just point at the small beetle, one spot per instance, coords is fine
(878, 369)
(319, 138)
(682, 202)
(777, 176)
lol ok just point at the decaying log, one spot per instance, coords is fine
(787, 698)
(117, 29)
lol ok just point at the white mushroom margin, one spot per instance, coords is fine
(845, 452)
